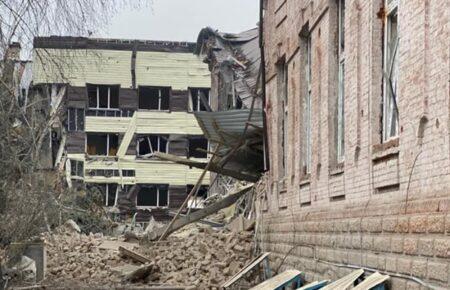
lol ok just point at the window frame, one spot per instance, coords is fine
(77, 129)
(307, 110)
(108, 108)
(77, 163)
(199, 102)
(340, 138)
(107, 144)
(107, 195)
(390, 60)
(160, 89)
(158, 187)
(282, 92)
(147, 137)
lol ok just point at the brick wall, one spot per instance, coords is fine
(387, 205)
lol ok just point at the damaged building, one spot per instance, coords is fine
(234, 119)
(357, 106)
(121, 102)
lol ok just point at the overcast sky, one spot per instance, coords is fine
(181, 20)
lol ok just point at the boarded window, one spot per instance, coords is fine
(153, 195)
(198, 147)
(199, 99)
(102, 144)
(103, 96)
(147, 145)
(390, 67)
(75, 119)
(154, 98)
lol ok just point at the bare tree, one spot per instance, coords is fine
(32, 199)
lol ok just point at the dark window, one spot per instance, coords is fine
(147, 196)
(111, 191)
(128, 173)
(149, 144)
(153, 195)
(103, 96)
(75, 119)
(202, 191)
(102, 144)
(154, 98)
(198, 147)
(76, 168)
(198, 98)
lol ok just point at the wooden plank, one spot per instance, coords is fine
(127, 137)
(314, 285)
(245, 270)
(279, 280)
(373, 280)
(133, 255)
(345, 282)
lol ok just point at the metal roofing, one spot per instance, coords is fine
(226, 125)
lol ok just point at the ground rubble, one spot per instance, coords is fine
(196, 255)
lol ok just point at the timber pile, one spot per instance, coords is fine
(197, 256)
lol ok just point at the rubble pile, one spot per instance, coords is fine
(197, 255)
(204, 258)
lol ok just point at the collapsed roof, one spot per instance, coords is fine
(236, 57)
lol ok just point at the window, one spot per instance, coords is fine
(149, 144)
(340, 145)
(282, 92)
(153, 195)
(103, 172)
(107, 192)
(75, 119)
(390, 67)
(198, 147)
(154, 98)
(306, 77)
(128, 173)
(198, 98)
(102, 144)
(76, 168)
(201, 195)
(103, 96)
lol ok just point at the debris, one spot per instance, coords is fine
(263, 258)
(141, 273)
(372, 281)
(133, 255)
(23, 269)
(345, 281)
(314, 285)
(198, 215)
(115, 245)
(72, 226)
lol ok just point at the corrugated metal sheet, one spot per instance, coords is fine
(218, 125)
(82, 66)
(147, 171)
(178, 70)
(148, 122)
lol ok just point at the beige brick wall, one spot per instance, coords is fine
(395, 214)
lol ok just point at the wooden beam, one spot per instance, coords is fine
(213, 167)
(133, 255)
(201, 214)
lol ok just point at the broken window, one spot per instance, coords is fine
(202, 194)
(103, 97)
(154, 98)
(306, 79)
(128, 173)
(340, 148)
(198, 147)
(75, 119)
(153, 195)
(76, 168)
(198, 98)
(282, 91)
(147, 145)
(390, 68)
(102, 144)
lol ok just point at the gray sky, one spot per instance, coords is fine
(181, 20)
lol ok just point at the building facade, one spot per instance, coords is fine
(121, 101)
(357, 106)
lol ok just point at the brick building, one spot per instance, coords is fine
(357, 106)
(123, 101)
